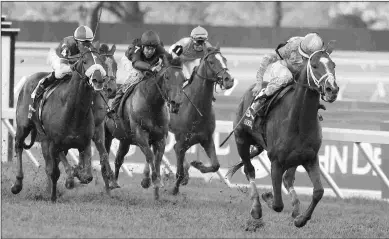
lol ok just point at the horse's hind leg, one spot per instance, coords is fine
(122, 151)
(288, 179)
(314, 174)
(21, 134)
(209, 147)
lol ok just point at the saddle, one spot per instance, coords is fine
(267, 106)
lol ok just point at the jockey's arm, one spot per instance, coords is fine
(265, 61)
(177, 48)
(137, 62)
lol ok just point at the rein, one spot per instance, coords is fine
(326, 76)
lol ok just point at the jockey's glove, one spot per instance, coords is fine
(178, 50)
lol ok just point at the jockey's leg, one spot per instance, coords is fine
(40, 89)
(258, 102)
(116, 101)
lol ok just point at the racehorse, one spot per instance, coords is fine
(291, 134)
(99, 109)
(66, 119)
(145, 119)
(195, 122)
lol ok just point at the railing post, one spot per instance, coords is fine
(385, 160)
(8, 36)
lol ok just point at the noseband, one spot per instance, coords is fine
(162, 74)
(319, 89)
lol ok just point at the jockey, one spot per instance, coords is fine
(190, 49)
(58, 59)
(279, 69)
(142, 56)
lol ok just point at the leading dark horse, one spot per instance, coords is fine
(195, 122)
(145, 119)
(291, 135)
(67, 119)
(99, 109)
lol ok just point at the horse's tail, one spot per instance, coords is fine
(33, 137)
(233, 170)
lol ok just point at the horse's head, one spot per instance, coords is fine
(110, 65)
(173, 80)
(89, 66)
(216, 66)
(321, 73)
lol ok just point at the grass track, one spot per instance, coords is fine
(200, 210)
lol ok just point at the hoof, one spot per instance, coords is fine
(253, 224)
(185, 181)
(145, 183)
(69, 184)
(196, 164)
(268, 198)
(300, 221)
(113, 185)
(15, 189)
(175, 191)
(256, 211)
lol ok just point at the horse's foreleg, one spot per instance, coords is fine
(256, 209)
(122, 151)
(106, 171)
(159, 149)
(52, 171)
(149, 165)
(314, 174)
(180, 148)
(69, 184)
(21, 134)
(276, 177)
(209, 147)
(288, 179)
(84, 173)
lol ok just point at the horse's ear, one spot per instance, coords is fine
(165, 60)
(96, 45)
(113, 49)
(330, 46)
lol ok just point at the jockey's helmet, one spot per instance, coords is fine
(312, 42)
(199, 33)
(83, 33)
(150, 38)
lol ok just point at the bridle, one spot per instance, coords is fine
(87, 73)
(161, 73)
(319, 88)
(219, 79)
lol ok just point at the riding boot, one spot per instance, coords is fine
(257, 105)
(116, 102)
(48, 80)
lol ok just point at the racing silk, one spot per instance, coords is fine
(140, 62)
(57, 57)
(189, 56)
(279, 72)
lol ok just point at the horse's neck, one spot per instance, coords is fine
(201, 90)
(304, 109)
(78, 98)
(151, 93)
